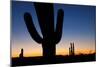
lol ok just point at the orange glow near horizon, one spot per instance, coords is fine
(32, 48)
(60, 51)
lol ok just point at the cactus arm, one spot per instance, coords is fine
(59, 26)
(31, 28)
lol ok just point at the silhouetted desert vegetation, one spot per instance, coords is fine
(58, 59)
(51, 37)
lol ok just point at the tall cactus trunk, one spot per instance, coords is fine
(51, 36)
(49, 51)
(45, 14)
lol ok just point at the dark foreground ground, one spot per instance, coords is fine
(58, 59)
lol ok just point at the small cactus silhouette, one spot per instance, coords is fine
(51, 36)
(21, 54)
(71, 49)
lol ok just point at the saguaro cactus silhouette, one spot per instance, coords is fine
(51, 36)
(71, 49)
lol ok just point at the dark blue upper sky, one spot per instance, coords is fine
(79, 22)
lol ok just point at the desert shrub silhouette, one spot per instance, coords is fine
(51, 36)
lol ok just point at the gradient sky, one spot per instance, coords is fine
(78, 27)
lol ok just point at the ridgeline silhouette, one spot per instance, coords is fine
(72, 57)
(51, 36)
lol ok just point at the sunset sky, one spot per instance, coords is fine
(78, 27)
